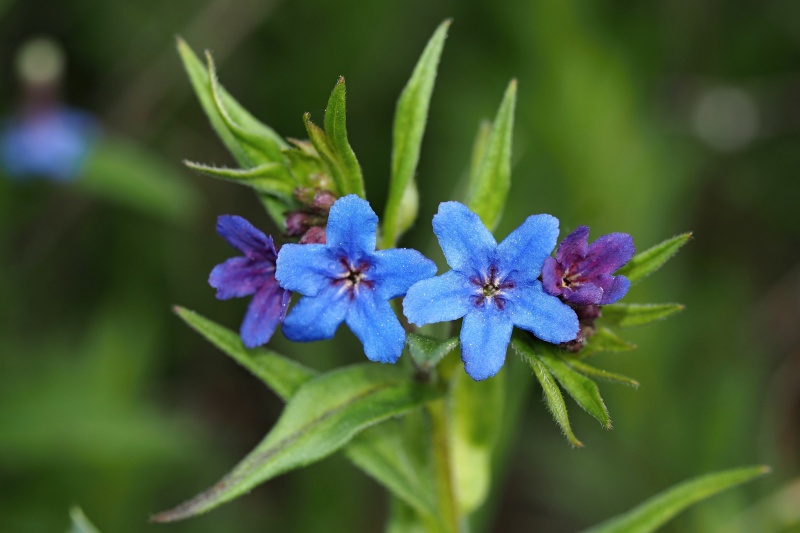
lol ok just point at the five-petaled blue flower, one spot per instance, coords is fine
(494, 287)
(581, 274)
(253, 273)
(347, 280)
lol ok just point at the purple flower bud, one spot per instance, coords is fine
(323, 200)
(582, 275)
(297, 223)
(314, 235)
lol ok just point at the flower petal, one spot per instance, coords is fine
(574, 246)
(543, 315)
(317, 317)
(608, 253)
(526, 248)
(245, 237)
(617, 290)
(586, 293)
(265, 312)
(467, 245)
(395, 270)
(485, 334)
(374, 323)
(352, 225)
(552, 277)
(439, 299)
(307, 268)
(240, 276)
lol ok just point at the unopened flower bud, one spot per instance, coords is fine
(314, 235)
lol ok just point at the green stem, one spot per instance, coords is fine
(448, 508)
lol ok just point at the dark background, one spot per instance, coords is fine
(651, 118)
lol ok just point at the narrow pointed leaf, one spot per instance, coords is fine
(661, 508)
(322, 416)
(552, 394)
(427, 351)
(385, 452)
(479, 148)
(582, 389)
(592, 372)
(488, 191)
(280, 374)
(80, 524)
(336, 130)
(201, 82)
(605, 340)
(629, 315)
(262, 145)
(322, 144)
(645, 263)
(410, 118)
(269, 178)
(475, 411)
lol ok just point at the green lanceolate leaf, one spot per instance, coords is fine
(80, 524)
(605, 340)
(582, 389)
(592, 372)
(645, 263)
(201, 82)
(323, 415)
(475, 413)
(629, 315)
(268, 178)
(262, 145)
(427, 351)
(410, 118)
(552, 394)
(280, 374)
(660, 509)
(336, 130)
(479, 149)
(394, 454)
(488, 190)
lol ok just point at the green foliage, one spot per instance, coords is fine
(645, 263)
(475, 411)
(592, 372)
(410, 118)
(660, 509)
(488, 187)
(428, 351)
(629, 315)
(605, 340)
(333, 146)
(80, 524)
(323, 415)
(284, 376)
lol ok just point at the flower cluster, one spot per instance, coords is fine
(492, 287)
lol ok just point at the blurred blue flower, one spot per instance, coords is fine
(250, 274)
(346, 280)
(581, 274)
(48, 143)
(494, 287)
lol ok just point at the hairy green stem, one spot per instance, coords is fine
(448, 508)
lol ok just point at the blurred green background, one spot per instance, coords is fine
(651, 118)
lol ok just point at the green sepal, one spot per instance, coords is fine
(661, 508)
(323, 415)
(475, 413)
(308, 169)
(592, 372)
(605, 340)
(582, 389)
(410, 118)
(284, 376)
(268, 178)
(552, 394)
(428, 351)
(488, 188)
(629, 315)
(645, 263)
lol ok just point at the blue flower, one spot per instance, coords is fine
(50, 143)
(347, 280)
(250, 274)
(581, 274)
(493, 287)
